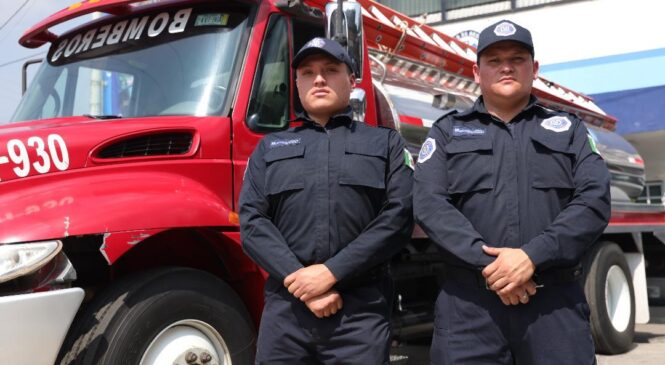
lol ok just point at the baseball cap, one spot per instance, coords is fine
(504, 30)
(324, 46)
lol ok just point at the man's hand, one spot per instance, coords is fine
(326, 304)
(520, 294)
(310, 281)
(511, 269)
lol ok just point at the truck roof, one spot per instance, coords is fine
(414, 47)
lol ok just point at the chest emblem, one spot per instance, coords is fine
(556, 124)
(468, 131)
(284, 142)
(427, 150)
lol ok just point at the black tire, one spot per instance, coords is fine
(117, 327)
(603, 258)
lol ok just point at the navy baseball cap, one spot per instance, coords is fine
(323, 46)
(504, 30)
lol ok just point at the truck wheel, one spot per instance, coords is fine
(609, 291)
(166, 316)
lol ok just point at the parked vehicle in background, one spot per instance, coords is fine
(121, 168)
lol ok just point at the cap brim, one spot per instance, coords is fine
(309, 52)
(526, 45)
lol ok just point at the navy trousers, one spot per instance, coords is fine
(357, 334)
(474, 327)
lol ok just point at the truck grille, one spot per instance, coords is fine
(171, 143)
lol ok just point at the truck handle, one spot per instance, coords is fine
(24, 72)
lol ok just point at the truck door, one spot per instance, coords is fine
(273, 97)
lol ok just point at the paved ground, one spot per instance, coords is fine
(649, 347)
(649, 343)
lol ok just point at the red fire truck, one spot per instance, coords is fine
(121, 168)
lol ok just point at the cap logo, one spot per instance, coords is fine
(316, 42)
(504, 29)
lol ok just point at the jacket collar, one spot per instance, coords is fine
(479, 107)
(343, 118)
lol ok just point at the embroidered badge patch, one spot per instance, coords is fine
(504, 29)
(427, 150)
(408, 159)
(316, 42)
(556, 124)
(592, 144)
(284, 142)
(467, 131)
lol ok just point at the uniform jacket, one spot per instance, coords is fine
(339, 195)
(534, 183)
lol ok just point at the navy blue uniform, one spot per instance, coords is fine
(338, 195)
(534, 183)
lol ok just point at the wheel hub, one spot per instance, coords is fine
(617, 298)
(187, 342)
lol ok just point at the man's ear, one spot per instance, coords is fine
(536, 67)
(476, 73)
(352, 80)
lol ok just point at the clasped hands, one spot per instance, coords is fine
(510, 275)
(313, 285)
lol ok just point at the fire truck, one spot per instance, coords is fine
(121, 168)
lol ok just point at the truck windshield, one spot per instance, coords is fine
(175, 62)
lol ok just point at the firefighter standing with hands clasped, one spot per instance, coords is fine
(323, 208)
(513, 194)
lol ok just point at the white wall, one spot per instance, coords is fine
(584, 29)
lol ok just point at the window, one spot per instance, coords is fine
(101, 92)
(269, 103)
(652, 193)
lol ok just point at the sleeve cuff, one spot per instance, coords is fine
(540, 251)
(339, 268)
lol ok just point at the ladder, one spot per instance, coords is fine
(410, 47)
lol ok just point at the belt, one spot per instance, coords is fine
(549, 277)
(369, 277)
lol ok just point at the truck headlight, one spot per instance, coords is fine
(21, 259)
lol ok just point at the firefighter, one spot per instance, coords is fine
(513, 194)
(323, 208)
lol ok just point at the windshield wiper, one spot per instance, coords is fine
(103, 116)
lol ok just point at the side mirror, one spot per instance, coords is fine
(358, 102)
(346, 27)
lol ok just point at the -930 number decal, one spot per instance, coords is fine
(50, 152)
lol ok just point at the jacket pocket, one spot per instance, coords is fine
(552, 161)
(470, 165)
(284, 169)
(364, 165)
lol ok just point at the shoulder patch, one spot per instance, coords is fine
(427, 150)
(592, 143)
(408, 159)
(556, 124)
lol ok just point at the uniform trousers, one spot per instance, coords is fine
(472, 326)
(290, 334)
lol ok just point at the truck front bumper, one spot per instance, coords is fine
(33, 326)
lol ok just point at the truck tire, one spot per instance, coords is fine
(609, 290)
(164, 316)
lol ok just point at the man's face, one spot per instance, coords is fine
(324, 85)
(506, 70)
